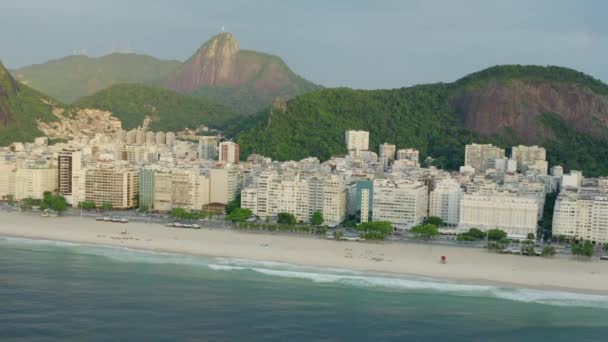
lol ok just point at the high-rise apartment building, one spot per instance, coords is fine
(387, 151)
(365, 200)
(207, 148)
(356, 142)
(444, 201)
(70, 175)
(530, 157)
(582, 214)
(112, 184)
(411, 155)
(404, 203)
(7, 179)
(225, 184)
(229, 152)
(479, 155)
(32, 181)
(146, 187)
(181, 188)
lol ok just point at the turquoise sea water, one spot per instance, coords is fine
(63, 291)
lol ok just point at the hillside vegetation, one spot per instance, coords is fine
(168, 110)
(439, 119)
(20, 108)
(70, 78)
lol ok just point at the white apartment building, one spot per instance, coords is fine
(7, 179)
(32, 181)
(225, 184)
(572, 179)
(229, 152)
(356, 141)
(297, 194)
(582, 214)
(387, 151)
(502, 210)
(404, 203)
(334, 200)
(181, 188)
(444, 201)
(530, 157)
(207, 148)
(410, 154)
(479, 155)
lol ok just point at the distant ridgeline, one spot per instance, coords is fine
(564, 110)
(245, 81)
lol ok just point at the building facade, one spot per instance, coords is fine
(404, 203)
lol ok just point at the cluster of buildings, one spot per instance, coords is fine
(127, 170)
(490, 190)
(161, 171)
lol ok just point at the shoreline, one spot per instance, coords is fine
(470, 266)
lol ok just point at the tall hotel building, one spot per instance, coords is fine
(116, 185)
(69, 171)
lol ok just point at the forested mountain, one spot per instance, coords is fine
(168, 110)
(20, 109)
(561, 109)
(246, 81)
(73, 77)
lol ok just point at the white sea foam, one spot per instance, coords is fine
(326, 275)
(225, 268)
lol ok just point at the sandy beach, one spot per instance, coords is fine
(466, 265)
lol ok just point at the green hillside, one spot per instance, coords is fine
(70, 78)
(20, 108)
(169, 111)
(429, 118)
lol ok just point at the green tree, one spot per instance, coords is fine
(106, 206)
(234, 204)
(473, 234)
(531, 236)
(583, 249)
(548, 251)
(427, 231)
(286, 218)
(434, 220)
(527, 248)
(498, 245)
(239, 215)
(87, 205)
(317, 218)
(376, 230)
(338, 234)
(57, 203)
(496, 234)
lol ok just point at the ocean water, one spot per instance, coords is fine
(63, 291)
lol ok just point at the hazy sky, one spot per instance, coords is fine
(361, 44)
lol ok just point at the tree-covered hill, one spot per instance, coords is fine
(564, 110)
(70, 78)
(168, 110)
(20, 109)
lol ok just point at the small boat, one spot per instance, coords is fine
(196, 226)
(187, 226)
(107, 219)
(99, 219)
(116, 220)
(178, 225)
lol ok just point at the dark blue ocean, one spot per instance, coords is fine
(62, 291)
